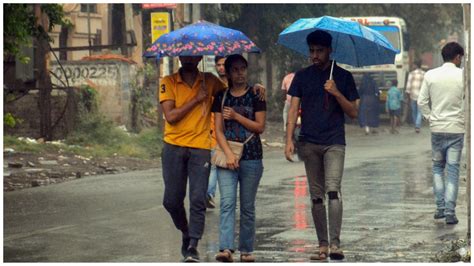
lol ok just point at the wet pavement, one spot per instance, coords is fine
(388, 212)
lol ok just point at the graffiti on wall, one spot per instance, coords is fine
(77, 74)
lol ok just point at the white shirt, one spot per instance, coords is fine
(441, 99)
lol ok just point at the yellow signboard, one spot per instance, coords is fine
(160, 24)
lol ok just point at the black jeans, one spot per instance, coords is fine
(179, 164)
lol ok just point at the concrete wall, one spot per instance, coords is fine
(111, 79)
(27, 113)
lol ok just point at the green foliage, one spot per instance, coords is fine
(19, 26)
(427, 23)
(141, 95)
(88, 100)
(96, 129)
(22, 146)
(104, 139)
(9, 120)
(151, 140)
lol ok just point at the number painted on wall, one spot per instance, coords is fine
(78, 74)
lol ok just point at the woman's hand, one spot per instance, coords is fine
(232, 162)
(229, 113)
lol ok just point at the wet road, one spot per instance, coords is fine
(388, 209)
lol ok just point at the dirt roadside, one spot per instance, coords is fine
(25, 170)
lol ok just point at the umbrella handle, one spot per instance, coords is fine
(332, 67)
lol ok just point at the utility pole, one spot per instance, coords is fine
(43, 80)
(128, 11)
(467, 86)
(89, 27)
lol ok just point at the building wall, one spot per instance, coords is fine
(111, 79)
(27, 113)
(78, 35)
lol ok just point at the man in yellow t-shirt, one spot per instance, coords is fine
(186, 99)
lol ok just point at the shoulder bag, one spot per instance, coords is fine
(219, 159)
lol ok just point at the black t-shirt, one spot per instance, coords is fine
(246, 105)
(322, 118)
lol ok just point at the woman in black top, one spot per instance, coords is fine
(242, 118)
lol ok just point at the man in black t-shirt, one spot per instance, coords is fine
(321, 143)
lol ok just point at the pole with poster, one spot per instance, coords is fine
(160, 24)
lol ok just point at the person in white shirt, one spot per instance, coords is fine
(415, 79)
(441, 101)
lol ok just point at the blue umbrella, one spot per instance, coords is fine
(201, 38)
(352, 43)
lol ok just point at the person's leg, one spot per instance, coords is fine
(453, 159)
(173, 159)
(418, 117)
(312, 157)
(211, 190)
(227, 180)
(439, 162)
(199, 167)
(250, 172)
(392, 122)
(333, 170)
(414, 110)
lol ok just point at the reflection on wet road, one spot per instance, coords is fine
(388, 207)
(386, 190)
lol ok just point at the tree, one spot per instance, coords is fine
(427, 24)
(20, 26)
(22, 23)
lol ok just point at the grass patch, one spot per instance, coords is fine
(23, 146)
(97, 137)
(151, 140)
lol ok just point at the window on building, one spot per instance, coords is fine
(63, 35)
(92, 8)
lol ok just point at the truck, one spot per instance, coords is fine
(395, 30)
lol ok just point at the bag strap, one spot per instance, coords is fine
(223, 123)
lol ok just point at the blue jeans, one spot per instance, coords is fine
(211, 189)
(415, 114)
(248, 175)
(446, 150)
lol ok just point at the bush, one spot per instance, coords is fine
(94, 129)
(9, 120)
(151, 140)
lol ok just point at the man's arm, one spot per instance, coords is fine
(290, 127)
(424, 99)
(173, 115)
(349, 107)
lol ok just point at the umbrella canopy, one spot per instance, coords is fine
(352, 43)
(201, 38)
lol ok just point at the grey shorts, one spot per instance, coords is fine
(324, 167)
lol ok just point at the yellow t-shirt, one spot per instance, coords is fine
(194, 130)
